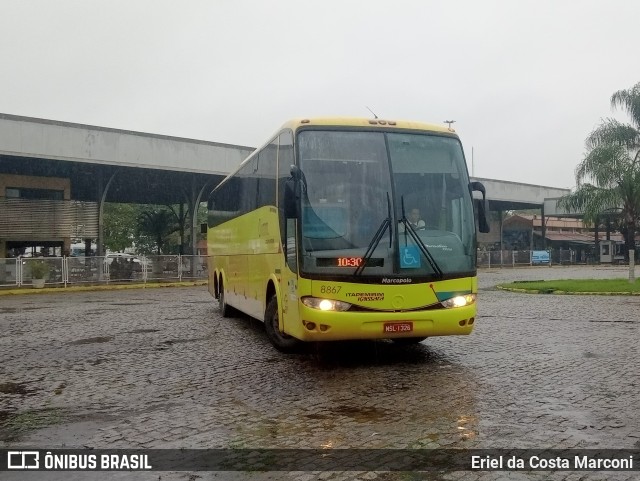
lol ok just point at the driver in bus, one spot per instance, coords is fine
(415, 220)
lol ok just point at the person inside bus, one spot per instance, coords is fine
(415, 220)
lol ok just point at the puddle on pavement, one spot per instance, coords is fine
(616, 321)
(360, 414)
(182, 341)
(130, 304)
(273, 359)
(14, 310)
(317, 416)
(367, 353)
(15, 388)
(91, 340)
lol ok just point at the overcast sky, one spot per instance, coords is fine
(525, 81)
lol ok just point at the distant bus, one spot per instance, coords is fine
(78, 250)
(312, 234)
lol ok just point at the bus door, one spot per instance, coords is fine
(288, 267)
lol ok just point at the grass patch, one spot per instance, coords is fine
(15, 425)
(621, 286)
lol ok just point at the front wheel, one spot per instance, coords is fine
(281, 341)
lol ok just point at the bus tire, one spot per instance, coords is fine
(408, 341)
(225, 309)
(281, 341)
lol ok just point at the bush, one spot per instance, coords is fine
(39, 269)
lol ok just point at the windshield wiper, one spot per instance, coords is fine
(386, 224)
(421, 245)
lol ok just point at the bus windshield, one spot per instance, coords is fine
(350, 177)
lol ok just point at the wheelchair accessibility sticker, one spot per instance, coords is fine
(409, 257)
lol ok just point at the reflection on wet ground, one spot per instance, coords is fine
(354, 394)
(165, 370)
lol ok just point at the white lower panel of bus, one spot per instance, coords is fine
(250, 306)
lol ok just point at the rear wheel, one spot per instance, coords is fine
(225, 309)
(281, 341)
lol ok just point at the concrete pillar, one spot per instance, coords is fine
(102, 196)
(544, 229)
(3, 255)
(182, 225)
(501, 219)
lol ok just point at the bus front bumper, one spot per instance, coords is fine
(319, 325)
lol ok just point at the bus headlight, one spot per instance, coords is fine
(325, 304)
(459, 301)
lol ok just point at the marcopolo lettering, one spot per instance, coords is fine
(393, 280)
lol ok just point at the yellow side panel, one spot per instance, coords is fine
(246, 251)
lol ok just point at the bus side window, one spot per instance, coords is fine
(249, 185)
(267, 175)
(222, 206)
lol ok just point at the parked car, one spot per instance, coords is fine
(109, 258)
(122, 257)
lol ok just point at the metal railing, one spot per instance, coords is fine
(514, 258)
(103, 270)
(122, 269)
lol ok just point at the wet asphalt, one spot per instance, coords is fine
(160, 368)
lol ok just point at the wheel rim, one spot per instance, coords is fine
(275, 327)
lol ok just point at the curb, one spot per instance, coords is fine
(106, 287)
(569, 293)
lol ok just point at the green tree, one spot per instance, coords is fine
(120, 225)
(156, 223)
(608, 179)
(180, 214)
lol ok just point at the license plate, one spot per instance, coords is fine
(397, 327)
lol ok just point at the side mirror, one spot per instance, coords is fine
(290, 211)
(293, 193)
(483, 207)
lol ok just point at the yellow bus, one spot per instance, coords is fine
(348, 228)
